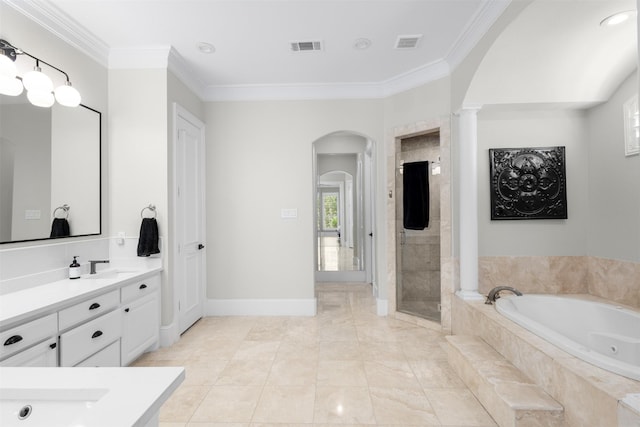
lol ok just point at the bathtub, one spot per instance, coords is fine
(604, 335)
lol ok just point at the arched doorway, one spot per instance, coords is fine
(343, 185)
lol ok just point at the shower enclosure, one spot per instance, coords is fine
(418, 251)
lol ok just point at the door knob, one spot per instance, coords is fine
(200, 246)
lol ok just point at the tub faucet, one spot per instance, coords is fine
(494, 294)
(93, 265)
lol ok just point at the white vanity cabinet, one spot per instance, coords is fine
(29, 344)
(89, 338)
(98, 323)
(81, 337)
(140, 307)
(43, 355)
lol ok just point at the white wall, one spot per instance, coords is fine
(614, 196)
(519, 129)
(138, 156)
(259, 160)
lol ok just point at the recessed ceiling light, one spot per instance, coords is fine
(205, 47)
(616, 18)
(362, 44)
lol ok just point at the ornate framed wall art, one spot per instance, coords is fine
(528, 183)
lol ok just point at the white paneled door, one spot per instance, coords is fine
(190, 265)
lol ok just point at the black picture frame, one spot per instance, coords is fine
(528, 183)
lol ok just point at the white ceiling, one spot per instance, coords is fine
(252, 40)
(574, 60)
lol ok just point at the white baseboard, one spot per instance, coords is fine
(382, 307)
(169, 334)
(261, 307)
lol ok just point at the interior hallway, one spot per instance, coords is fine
(334, 256)
(345, 366)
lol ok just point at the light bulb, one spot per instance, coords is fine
(40, 98)
(36, 80)
(7, 67)
(10, 86)
(67, 95)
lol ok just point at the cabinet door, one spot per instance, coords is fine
(107, 357)
(21, 337)
(44, 355)
(140, 327)
(85, 340)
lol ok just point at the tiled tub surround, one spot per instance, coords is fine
(590, 396)
(614, 280)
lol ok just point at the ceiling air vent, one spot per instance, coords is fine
(306, 46)
(408, 42)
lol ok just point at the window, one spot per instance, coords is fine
(631, 127)
(330, 211)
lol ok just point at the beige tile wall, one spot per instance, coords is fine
(614, 280)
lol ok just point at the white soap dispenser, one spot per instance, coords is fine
(74, 269)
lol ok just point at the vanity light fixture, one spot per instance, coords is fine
(39, 86)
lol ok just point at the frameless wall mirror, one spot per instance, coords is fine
(49, 159)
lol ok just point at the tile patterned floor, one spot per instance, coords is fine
(346, 366)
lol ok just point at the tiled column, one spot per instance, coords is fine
(468, 138)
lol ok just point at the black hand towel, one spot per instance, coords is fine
(148, 241)
(415, 187)
(60, 228)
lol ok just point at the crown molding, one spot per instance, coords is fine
(140, 57)
(52, 19)
(179, 67)
(47, 15)
(375, 90)
(481, 22)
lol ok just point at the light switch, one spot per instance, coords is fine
(32, 214)
(289, 213)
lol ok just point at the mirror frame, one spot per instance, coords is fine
(99, 188)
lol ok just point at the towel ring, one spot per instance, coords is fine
(65, 208)
(152, 208)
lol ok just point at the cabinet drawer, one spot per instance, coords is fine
(83, 341)
(44, 354)
(88, 309)
(23, 336)
(107, 357)
(140, 288)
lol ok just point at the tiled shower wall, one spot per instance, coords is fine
(615, 280)
(419, 256)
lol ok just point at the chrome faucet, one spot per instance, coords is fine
(93, 265)
(494, 293)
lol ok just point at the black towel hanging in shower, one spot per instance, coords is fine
(415, 188)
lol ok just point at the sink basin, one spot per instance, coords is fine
(43, 407)
(112, 273)
(95, 397)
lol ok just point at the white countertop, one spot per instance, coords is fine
(20, 306)
(102, 396)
